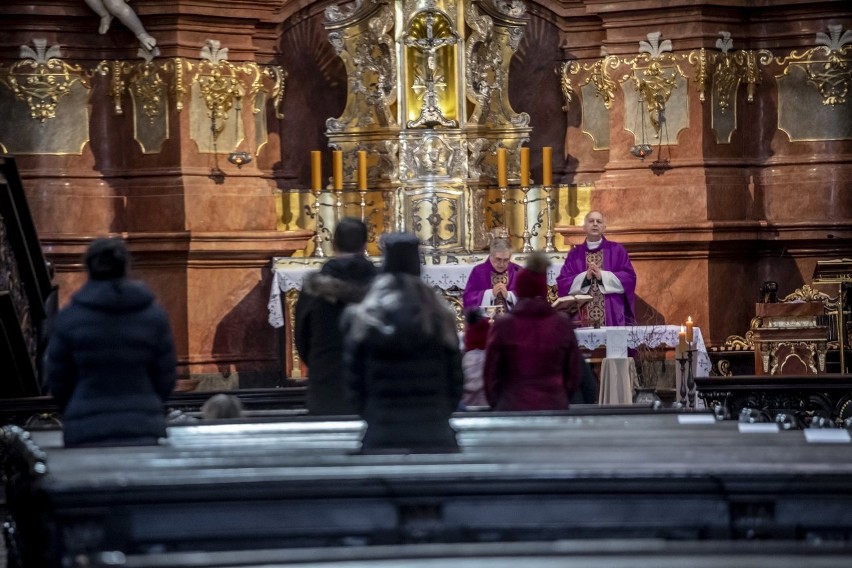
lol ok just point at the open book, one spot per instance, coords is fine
(571, 303)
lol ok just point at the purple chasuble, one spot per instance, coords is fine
(479, 282)
(620, 308)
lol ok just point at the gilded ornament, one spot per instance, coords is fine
(276, 92)
(220, 84)
(484, 61)
(429, 79)
(806, 294)
(563, 71)
(604, 85)
(830, 75)
(42, 79)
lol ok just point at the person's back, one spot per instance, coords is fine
(342, 281)
(473, 359)
(532, 359)
(111, 361)
(403, 359)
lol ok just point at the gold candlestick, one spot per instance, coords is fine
(548, 237)
(337, 165)
(502, 183)
(316, 189)
(362, 182)
(547, 182)
(527, 235)
(318, 252)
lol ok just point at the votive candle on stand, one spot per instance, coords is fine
(362, 170)
(316, 170)
(501, 167)
(689, 331)
(525, 167)
(547, 166)
(337, 169)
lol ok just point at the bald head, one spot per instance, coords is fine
(594, 225)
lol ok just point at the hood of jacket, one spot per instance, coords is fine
(401, 312)
(117, 296)
(341, 280)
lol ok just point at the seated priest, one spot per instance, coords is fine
(492, 283)
(602, 269)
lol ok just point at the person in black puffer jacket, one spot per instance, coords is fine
(341, 281)
(403, 359)
(111, 361)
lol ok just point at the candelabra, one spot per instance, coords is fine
(527, 235)
(548, 237)
(318, 252)
(687, 376)
(503, 191)
(338, 205)
(363, 194)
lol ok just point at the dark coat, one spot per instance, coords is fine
(532, 360)
(402, 355)
(340, 282)
(111, 364)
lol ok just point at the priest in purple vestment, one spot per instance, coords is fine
(492, 283)
(601, 269)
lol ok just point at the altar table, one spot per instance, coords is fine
(449, 274)
(288, 273)
(652, 336)
(618, 379)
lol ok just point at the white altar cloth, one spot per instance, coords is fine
(654, 336)
(650, 335)
(288, 273)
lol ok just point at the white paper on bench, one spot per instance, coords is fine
(758, 428)
(696, 419)
(827, 436)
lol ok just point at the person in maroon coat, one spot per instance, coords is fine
(532, 360)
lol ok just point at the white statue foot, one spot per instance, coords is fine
(106, 20)
(147, 41)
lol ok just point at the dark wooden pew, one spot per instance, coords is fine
(296, 483)
(826, 396)
(605, 553)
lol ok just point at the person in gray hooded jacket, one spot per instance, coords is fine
(402, 357)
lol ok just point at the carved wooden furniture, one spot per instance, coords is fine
(839, 273)
(26, 290)
(788, 339)
(803, 396)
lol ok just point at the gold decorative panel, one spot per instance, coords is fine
(65, 134)
(595, 117)
(813, 87)
(437, 215)
(729, 69)
(44, 101)
(44, 105)
(802, 114)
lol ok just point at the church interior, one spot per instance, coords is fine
(224, 139)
